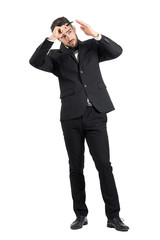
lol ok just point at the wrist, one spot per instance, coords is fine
(99, 37)
(95, 35)
(51, 38)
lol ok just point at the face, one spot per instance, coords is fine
(69, 37)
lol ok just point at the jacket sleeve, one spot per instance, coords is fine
(41, 59)
(107, 49)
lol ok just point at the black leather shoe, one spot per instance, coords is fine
(79, 222)
(117, 224)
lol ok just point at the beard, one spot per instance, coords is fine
(76, 44)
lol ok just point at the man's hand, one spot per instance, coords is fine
(87, 29)
(58, 32)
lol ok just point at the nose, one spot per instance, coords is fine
(69, 38)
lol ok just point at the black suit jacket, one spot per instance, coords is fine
(77, 80)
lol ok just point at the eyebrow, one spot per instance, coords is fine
(68, 30)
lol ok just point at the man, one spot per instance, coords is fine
(85, 102)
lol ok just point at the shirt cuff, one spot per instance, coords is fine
(50, 40)
(99, 37)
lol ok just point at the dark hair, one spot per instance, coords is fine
(59, 22)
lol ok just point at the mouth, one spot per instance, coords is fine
(71, 42)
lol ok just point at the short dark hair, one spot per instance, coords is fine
(59, 22)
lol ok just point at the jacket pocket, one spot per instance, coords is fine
(101, 85)
(66, 92)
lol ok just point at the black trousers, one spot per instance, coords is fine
(92, 127)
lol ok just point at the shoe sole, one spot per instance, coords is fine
(85, 223)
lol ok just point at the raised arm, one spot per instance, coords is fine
(107, 48)
(43, 60)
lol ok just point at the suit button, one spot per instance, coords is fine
(81, 71)
(85, 85)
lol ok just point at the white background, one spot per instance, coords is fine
(35, 201)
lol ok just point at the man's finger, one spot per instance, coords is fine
(60, 30)
(81, 22)
(82, 28)
(64, 28)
